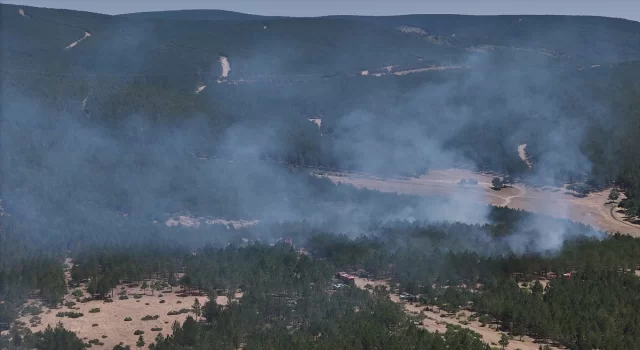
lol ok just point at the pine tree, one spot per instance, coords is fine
(504, 341)
(197, 308)
(140, 343)
(144, 286)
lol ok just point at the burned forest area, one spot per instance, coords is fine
(216, 180)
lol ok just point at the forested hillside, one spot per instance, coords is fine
(495, 82)
(290, 294)
(114, 128)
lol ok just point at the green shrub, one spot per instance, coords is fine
(156, 329)
(95, 310)
(32, 310)
(123, 297)
(77, 293)
(127, 319)
(150, 318)
(181, 311)
(138, 332)
(162, 301)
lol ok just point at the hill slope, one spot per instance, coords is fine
(394, 94)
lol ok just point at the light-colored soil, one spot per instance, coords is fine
(316, 121)
(190, 221)
(21, 12)
(434, 68)
(522, 152)
(226, 67)
(200, 88)
(86, 35)
(433, 320)
(364, 72)
(110, 319)
(555, 202)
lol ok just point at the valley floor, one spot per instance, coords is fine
(594, 210)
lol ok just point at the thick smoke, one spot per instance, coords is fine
(62, 170)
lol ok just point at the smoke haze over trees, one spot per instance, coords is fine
(103, 141)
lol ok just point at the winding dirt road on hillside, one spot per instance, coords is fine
(553, 201)
(73, 44)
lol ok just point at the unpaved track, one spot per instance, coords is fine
(86, 35)
(590, 210)
(432, 320)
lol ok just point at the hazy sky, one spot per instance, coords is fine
(629, 9)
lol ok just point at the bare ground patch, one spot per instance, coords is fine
(591, 210)
(110, 320)
(434, 320)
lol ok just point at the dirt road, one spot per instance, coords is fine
(591, 210)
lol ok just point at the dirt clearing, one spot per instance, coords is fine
(316, 121)
(195, 222)
(110, 320)
(553, 201)
(200, 88)
(522, 152)
(433, 319)
(226, 67)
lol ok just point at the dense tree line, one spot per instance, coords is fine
(471, 266)
(589, 309)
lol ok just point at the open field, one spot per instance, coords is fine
(553, 201)
(110, 320)
(434, 320)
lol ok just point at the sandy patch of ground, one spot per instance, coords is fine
(190, 221)
(86, 35)
(232, 223)
(522, 152)
(433, 320)
(316, 121)
(200, 88)
(110, 320)
(426, 69)
(409, 29)
(364, 72)
(591, 210)
(21, 12)
(226, 67)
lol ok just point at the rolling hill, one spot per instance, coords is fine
(396, 95)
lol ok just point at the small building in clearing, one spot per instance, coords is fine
(346, 278)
